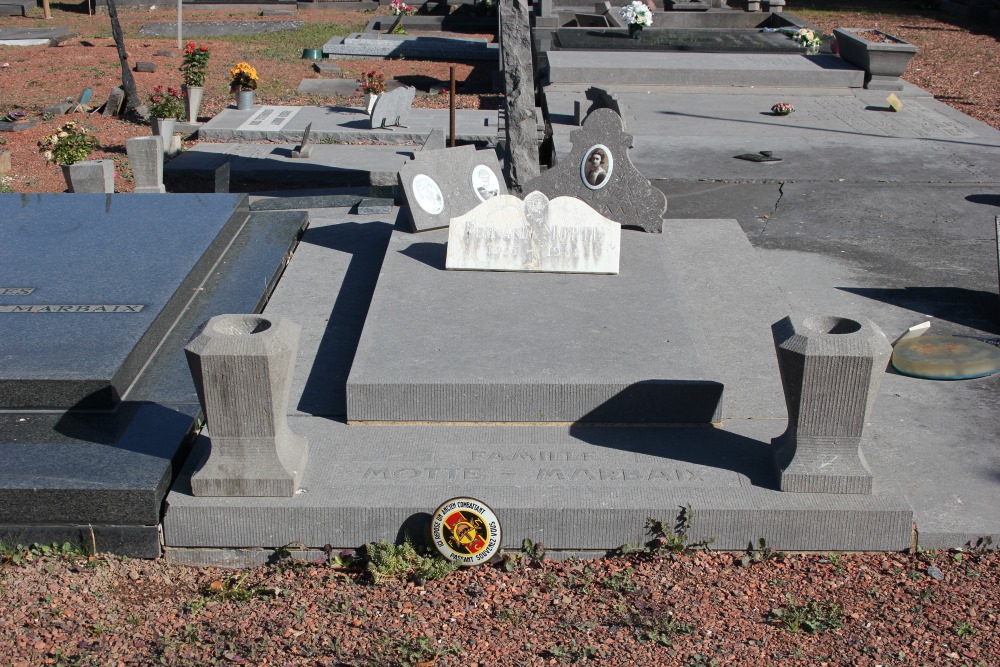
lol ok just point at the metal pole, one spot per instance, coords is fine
(451, 108)
(180, 20)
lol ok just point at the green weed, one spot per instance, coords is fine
(410, 652)
(400, 562)
(761, 554)
(811, 617)
(621, 582)
(963, 629)
(575, 653)
(660, 629)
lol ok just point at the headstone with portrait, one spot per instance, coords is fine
(537, 235)
(443, 184)
(598, 170)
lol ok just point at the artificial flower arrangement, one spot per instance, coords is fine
(244, 77)
(399, 7)
(194, 64)
(782, 108)
(166, 104)
(70, 144)
(16, 117)
(372, 83)
(807, 38)
(637, 13)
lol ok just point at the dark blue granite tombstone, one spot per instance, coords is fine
(84, 263)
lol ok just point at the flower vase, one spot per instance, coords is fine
(164, 127)
(635, 31)
(370, 99)
(244, 100)
(192, 101)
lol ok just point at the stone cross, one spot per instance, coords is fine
(304, 149)
(521, 133)
(145, 155)
(598, 171)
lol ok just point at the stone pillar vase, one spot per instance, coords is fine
(192, 101)
(244, 100)
(242, 367)
(163, 127)
(831, 368)
(883, 57)
(370, 99)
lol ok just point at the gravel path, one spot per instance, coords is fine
(694, 610)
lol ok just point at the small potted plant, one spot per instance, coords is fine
(165, 107)
(883, 57)
(637, 16)
(372, 84)
(71, 146)
(243, 83)
(194, 67)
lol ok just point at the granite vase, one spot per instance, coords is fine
(883, 60)
(370, 99)
(163, 127)
(192, 101)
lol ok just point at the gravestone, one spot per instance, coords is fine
(563, 235)
(602, 98)
(83, 100)
(58, 108)
(146, 67)
(145, 155)
(435, 141)
(443, 184)
(304, 149)
(114, 278)
(393, 107)
(92, 176)
(114, 104)
(598, 170)
(521, 133)
(222, 176)
(5, 165)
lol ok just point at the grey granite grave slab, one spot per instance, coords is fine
(599, 171)
(255, 166)
(374, 205)
(96, 311)
(306, 202)
(9, 35)
(217, 28)
(105, 473)
(533, 351)
(392, 108)
(327, 87)
(346, 125)
(18, 126)
(16, 7)
(146, 67)
(443, 184)
(687, 69)
(367, 46)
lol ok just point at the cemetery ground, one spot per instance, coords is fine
(678, 608)
(956, 63)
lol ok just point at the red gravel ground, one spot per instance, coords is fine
(694, 610)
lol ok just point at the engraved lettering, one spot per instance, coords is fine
(16, 291)
(72, 308)
(667, 475)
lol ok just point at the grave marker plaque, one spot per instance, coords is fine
(598, 171)
(392, 108)
(443, 184)
(534, 235)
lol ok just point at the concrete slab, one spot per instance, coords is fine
(347, 125)
(255, 165)
(368, 45)
(543, 348)
(702, 69)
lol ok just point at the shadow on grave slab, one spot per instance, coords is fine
(975, 309)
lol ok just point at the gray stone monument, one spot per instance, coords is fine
(145, 155)
(242, 367)
(304, 149)
(116, 98)
(93, 176)
(521, 134)
(392, 108)
(444, 184)
(831, 368)
(534, 235)
(598, 171)
(435, 141)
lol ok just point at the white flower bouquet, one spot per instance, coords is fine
(637, 13)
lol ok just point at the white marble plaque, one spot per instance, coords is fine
(562, 235)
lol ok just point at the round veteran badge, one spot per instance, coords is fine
(466, 531)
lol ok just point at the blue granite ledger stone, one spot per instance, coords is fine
(89, 285)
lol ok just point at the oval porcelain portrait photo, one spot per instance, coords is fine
(596, 168)
(428, 194)
(485, 182)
